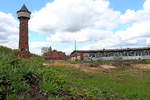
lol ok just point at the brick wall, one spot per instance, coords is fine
(56, 55)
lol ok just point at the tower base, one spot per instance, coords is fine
(25, 55)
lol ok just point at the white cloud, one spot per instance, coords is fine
(138, 33)
(138, 29)
(81, 36)
(107, 43)
(8, 30)
(129, 16)
(147, 5)
(80, 20)
(35, 47)
(139, 15)
(73, 16)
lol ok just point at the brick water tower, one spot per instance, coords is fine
(23, 16)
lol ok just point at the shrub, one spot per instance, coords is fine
(11, 97)
(54, 98)
(52, 81)
(15, 73)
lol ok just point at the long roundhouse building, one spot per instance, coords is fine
(111, 54)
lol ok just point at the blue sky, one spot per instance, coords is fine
(94, 24)
(123, 5)
(10, 6)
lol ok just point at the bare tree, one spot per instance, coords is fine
(45, 50)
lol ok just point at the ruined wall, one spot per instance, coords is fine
(117, 55)
(56, 55)
(116, 58)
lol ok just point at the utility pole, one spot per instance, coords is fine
(75, 46)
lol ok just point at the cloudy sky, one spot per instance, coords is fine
(94, 24)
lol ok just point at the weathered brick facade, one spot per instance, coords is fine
(55, 55)
(111, 54)
(77, 55)
(23, 16)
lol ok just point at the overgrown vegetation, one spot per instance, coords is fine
(118, 84)
(30, 80)
(13, 73)
(18, 76)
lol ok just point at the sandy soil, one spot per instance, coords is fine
(141, 66)
(94, 68)
(82, 67)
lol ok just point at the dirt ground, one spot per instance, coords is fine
(94, 67)
(142, 66)
(34, 94)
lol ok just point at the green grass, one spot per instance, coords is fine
(17, 76)
(116, 85)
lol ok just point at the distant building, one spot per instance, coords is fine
(111, 54)
(55, 55)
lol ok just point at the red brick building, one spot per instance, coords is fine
(56, 55)
(77, 55)
(23, 16)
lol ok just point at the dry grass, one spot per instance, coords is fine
(87, 67)
(142, 66)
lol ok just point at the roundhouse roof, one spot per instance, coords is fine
(110, 50)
